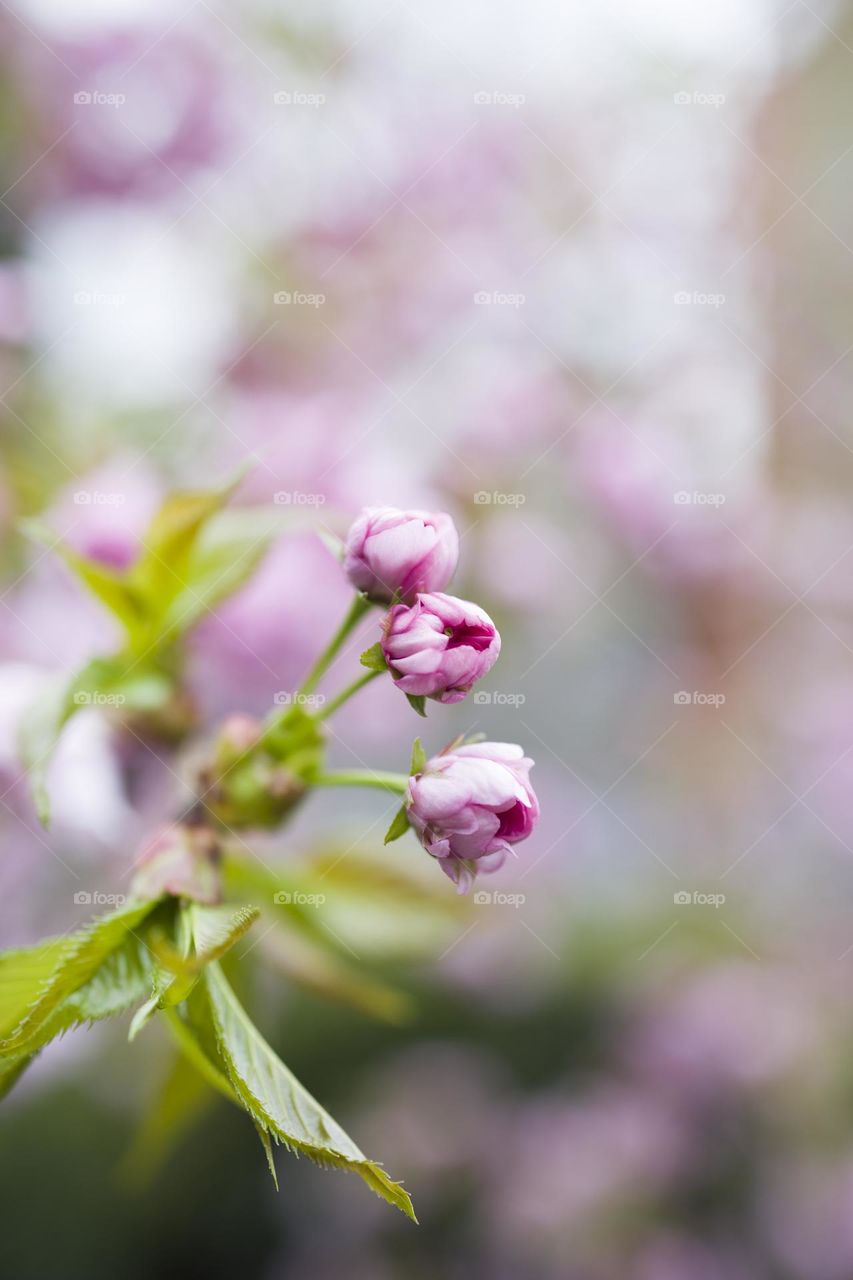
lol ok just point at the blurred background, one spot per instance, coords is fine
(581, 276)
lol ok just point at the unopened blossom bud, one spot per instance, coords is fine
(470, 805)
(439, 646)
(393, 554)
(182, 861)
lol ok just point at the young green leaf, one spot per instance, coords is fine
(373, 658)
(111, 588)
(180, 1097)
(75, 962)
(206, 934)
(161, 572)
(398, 827)
(120, 981)
(322, 973)
(417, 701)
(276, 1100)
(418, 758)
(227, 553)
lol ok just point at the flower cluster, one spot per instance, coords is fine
(472, 802)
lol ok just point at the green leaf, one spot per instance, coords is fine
(417, 701)
(180, 1098)
(76, 960)
(374, 908)
(161, 572)
(206, 933)
(374, 659)
(322, 973)
(267, 1146)
(398, 827)
(276, 1100)
(228, 553)
(120, 981)
(213, 930)
(418, 758)
(111, 588)
(23, 975)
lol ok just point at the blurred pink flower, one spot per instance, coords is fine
(104, 513)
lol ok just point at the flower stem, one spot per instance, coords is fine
(356, 612)
(396, 782)
(330, 707)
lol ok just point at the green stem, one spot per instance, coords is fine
(396, 782)
(357, 610)
(330, 707)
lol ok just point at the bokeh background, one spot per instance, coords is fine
(580, 275)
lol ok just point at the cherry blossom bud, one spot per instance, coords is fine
(439, 646)
(393, 554)
(470, 805)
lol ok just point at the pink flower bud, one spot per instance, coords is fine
(470, 805)
(439, 646)
(395, 554)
